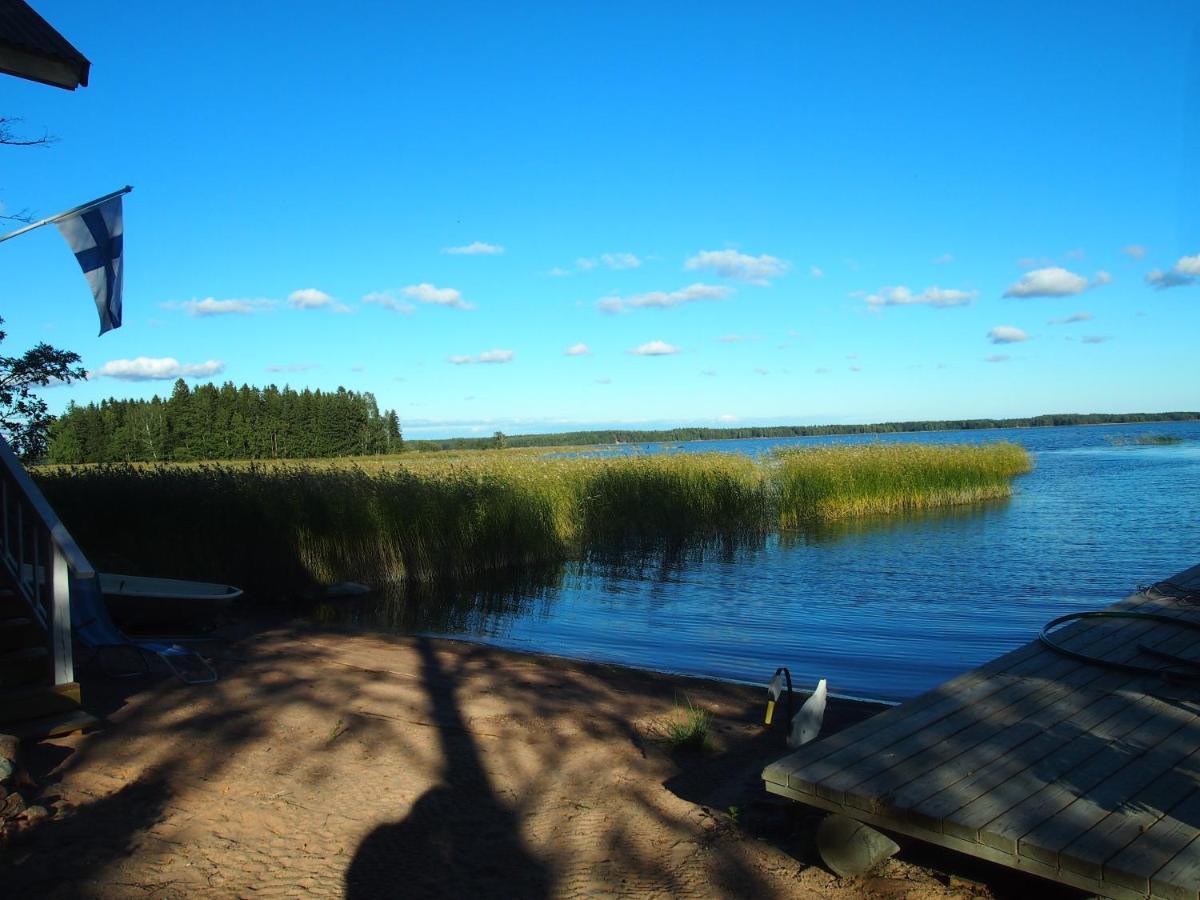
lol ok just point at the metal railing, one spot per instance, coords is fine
(40, 558)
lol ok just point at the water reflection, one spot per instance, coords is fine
(479, 607)
(908, 520)
(485, 606)
(883, 607)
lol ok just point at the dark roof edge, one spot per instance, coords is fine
(30, 47)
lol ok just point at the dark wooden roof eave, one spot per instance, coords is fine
(31, 48)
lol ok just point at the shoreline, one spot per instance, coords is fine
(334, 763)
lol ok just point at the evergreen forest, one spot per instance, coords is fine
(226, 422)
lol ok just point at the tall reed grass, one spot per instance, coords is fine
(275, 529)
(830, 483)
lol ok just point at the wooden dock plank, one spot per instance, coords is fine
(988, 737)
(1131, 812)
(943, 774)
(822, 759)
(1138, 863)
(1078, 771)
(1059, 811)
(981, 776)
(1053, 754)
(1177, 880)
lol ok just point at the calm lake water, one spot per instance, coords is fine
(885, 608)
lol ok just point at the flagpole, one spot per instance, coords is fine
(62, 215)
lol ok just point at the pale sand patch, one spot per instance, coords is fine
(332, 764)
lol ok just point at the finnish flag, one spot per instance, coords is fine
(94, 236)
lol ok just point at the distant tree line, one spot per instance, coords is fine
(225, 422)
(624, 436)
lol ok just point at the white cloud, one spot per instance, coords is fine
(488, 356)
(727, 418)
(295, 367)
(389, 300)
(1101, 278)
(816, 272)
(620, 260)
(558, 272)
(1135, 251)
(997, 358)
(759, 370)
(1077, 253)
(145, 368)
(1074, 317)
(1007, 334)
(943, 260)
(603, 381)
(734, 338)
(711, 373)
(476, 248)
(210, 306)
(583, 264)
(579, 349)
(663, 299)
(821, 371)
(1095, 339)
(428, 293)
(654, 348)
(739, 266)
(1050, 282)
(1189, 265)
(1186, 271)
(936, 297)
(309, 298)
(856, 368)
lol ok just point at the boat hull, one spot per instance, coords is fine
(138, 601)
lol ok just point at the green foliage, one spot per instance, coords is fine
(24, 417)
(276, 527)
(687, 732)
(225, 423)
(830, 483)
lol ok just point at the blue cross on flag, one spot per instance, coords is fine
(94, 236)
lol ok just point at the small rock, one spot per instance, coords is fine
(35, 814)
(7, 767)
(13, 805)
(8, 747)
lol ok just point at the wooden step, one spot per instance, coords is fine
(19, 631)
(28, 702)
(24, 666)
(52, 726)
(13, 606)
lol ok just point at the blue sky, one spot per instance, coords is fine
(733, 215)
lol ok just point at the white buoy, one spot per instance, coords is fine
(774, 690)
(806, 724)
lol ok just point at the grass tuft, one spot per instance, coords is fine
(688, 731)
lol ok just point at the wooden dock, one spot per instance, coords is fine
(1084, 774)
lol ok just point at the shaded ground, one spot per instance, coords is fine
(348, 765)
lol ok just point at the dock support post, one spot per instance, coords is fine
(850, 848)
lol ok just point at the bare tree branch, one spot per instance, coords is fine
(11, 138)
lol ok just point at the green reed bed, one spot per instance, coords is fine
(829, 483)
(277, 528)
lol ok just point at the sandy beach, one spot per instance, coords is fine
(333, 764)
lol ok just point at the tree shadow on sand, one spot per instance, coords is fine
(458, 836)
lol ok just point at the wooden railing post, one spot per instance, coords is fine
(47, 593)
(60, 617)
